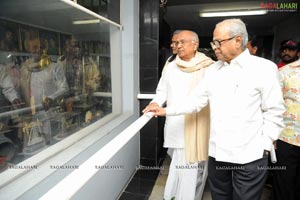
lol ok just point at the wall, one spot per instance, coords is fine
(152, 134)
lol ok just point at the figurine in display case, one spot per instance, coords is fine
(9, 99)
(91, 74)
(49, 42)
(83, 76)
(9, 36)
(26, 35)
(43, 85)
(71, 66)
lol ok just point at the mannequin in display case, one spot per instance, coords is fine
(43, 84)
(83, 77)
(72, 67)
(9, 99)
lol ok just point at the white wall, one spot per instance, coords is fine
(109, 184)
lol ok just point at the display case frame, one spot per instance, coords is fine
(89, 35)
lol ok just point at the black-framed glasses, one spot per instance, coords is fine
(217, 43)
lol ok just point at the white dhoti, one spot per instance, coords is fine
(185, 181)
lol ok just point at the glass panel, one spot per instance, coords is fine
(105, 8)
(55, 75)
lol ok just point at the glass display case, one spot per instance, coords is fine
(104, 8)
(55, 63)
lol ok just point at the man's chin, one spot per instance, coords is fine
(220, 58)
(287, 60)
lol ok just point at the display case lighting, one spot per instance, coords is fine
(233, 13)
(88, 21)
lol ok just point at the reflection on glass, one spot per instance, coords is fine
(50, 83)
(108, 9)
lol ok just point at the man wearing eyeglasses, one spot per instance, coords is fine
(173, 47)
(246, 114)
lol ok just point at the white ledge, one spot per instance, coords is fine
(145, 96)
(69, 186)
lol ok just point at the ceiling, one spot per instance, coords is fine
(56, 15)
(181, 14)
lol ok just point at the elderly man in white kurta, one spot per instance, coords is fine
(247, 108)
(182, 132)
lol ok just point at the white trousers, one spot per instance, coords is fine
(185, 181)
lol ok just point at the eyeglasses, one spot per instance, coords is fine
(182, 42)
(173, 44)
(217, 43)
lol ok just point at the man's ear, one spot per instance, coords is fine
(196, 46)
(238, 41)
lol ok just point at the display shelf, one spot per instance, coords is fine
(58, 15)
(48, 48)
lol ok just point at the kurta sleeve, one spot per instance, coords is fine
(272, 107)
(61, 82)
(161, 90)
(7, 85)
(192, 103)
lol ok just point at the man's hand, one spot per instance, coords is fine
(159, 112)
(151, 107)
(16, 103)
(155, 109)
(47, 103)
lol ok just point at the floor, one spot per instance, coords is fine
(158, 189)
(141, 185)
(148, 184)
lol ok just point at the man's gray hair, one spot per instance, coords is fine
(195, 36)
(176, 32)
(236, 27)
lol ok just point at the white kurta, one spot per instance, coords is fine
(185, 181)
(173, 86)
(246, 107)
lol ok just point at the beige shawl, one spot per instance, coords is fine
(196, 124)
